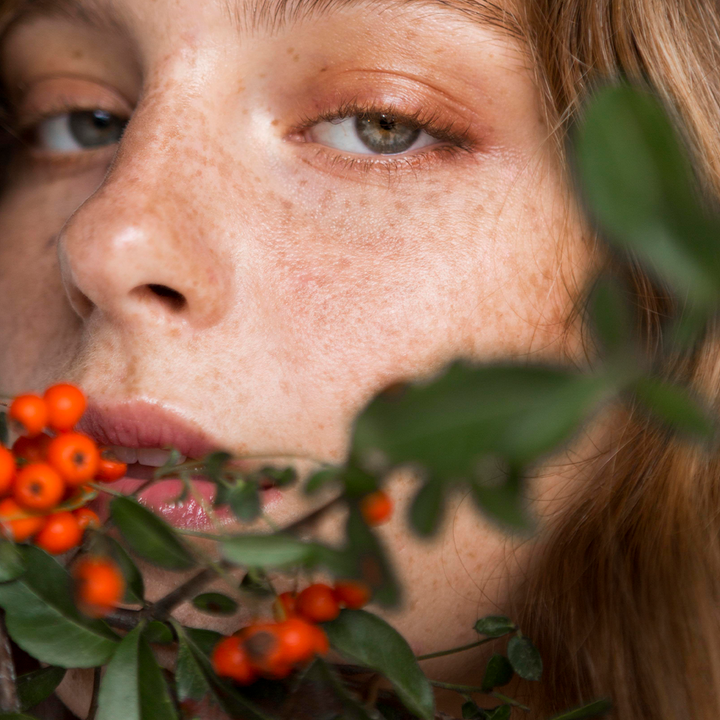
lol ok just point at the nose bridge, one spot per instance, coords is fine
(146, 245)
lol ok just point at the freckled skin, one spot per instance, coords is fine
(308, 285)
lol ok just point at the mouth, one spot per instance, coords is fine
(139, 434)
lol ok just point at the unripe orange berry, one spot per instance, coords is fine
(38, 487)
(31, 412)
(19, 529)
(284, 606)
(317, 603)
(61, 533)
(109, 469)
(230, 660)
(75, 456)
(352, 594)
(32, 449)
(376, 507)
(65, 405)
(87, 518)
(264, 649)
(7, 470)
(298, 640)
(99, 585)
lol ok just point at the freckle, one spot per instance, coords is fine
(323, 69)
(296, 57)
(262, 75)
(290, 51)
(274, 122)
(77, 54)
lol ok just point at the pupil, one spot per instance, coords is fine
(384, 134)
(94, 128)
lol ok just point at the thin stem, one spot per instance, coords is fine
(465, 689)
(200, 534)
(95, 694)
(106, 489)
(123, 619)
(9, 702)
(442, 653)
(510, 701)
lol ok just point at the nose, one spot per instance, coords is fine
(140, 249)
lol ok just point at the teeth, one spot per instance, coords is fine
(152, 457)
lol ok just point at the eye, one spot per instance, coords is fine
(78, 130)
(379, 134)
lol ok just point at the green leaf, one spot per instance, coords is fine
(352, 709)
(674, 406)
(495, 626)
(638, 182)
(158, 632)
(38, 685)
(610, 314)
(135, 587)
(370, 641)
(279, 476)
(427, 508)
(470, 710)
(321, 478)
(525, 658)
(189, 676)
(244, 499)
(149, 536)
(42, 618)
(276, 550)
(498, 672)
(202, 639)
(11, 564)
(501, 712)
(133, 687)
(504, 503)
(593, 710)
(215, 604)
(215, 464)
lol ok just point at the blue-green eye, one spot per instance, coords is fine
(79, 130)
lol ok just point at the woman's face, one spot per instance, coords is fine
(309, 202)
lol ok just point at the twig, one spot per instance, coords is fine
(123, 619)
(95, 694)
(314, 515)
(442, 653)
(9, 702)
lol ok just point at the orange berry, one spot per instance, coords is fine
(7, 470)
(66, 405)
(31, 412)
(352, 594)
(38, 487)
(19, 529)
(87, 518)
(317, 603)
(32, 449)
(284, 606)
(229, 659)
(75, 456)
(61, 533)
(109, 469)
(297, 639)
(99, 585)
(376, 507)
(265, 650)
(321, 642)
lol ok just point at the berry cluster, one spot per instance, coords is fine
(44, 470)
(273, 649)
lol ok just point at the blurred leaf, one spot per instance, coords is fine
(638, 182)
(42, 618)
(133, 686)
(370, 641)
(495, 626)
(501, 712)
(244, 499)
(368, 561)
(256, 584)
(470, 710)
(610, 314)
(215, 464)
(358, 482)
(674, 406)
(215, 604)
(189, 676)
(504, 503)
(149, 536)
(498, 672)
(427, 508)
(279, 476)
(158, 632)
(267, 550)
(321, 478)
(134, 585)
(170, 464)
(593, 710)
(38, 685)
(525, 658)
(11, 564)
(202, 639)
(352, 709)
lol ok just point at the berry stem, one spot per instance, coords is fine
(9, 702)
(461, 648)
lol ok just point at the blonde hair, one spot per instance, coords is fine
(624, 598)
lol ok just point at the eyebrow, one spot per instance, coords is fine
(269, 16)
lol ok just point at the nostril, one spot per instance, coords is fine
(172, 299)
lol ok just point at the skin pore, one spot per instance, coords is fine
(308, 270)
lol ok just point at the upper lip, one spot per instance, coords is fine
(142, 424)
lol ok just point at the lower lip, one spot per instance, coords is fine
(163, 498)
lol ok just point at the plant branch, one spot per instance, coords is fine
(9, 702)
(123, 619)
(442, 653)
(510, 701)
